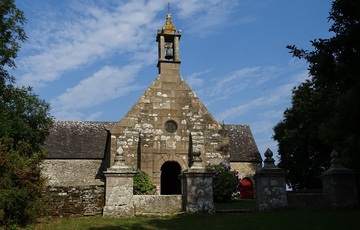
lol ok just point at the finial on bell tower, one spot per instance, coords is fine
(168, 41)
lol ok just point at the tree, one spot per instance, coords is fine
(24, 117)
(11, 33)
(25, 122)
(324, 111)
(21, 183)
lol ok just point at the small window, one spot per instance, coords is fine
(171, 126)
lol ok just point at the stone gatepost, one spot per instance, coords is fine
(270, 186)
(197, 188)
(339, 185)
(119, 201)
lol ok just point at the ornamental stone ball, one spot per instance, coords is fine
(269, 160)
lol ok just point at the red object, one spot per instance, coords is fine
(246, 191)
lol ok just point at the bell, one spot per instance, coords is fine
(169, 54)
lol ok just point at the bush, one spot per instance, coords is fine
(225, 182)
(143, 184)
(21, 184)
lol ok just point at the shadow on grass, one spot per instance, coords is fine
(136, 226)
(270, 221)
(236, 204)
(168, 222)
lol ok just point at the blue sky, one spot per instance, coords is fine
(92, 59)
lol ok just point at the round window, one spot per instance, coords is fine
(171, 126)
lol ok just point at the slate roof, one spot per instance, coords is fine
(242, 146)
(87, 140)
(77, 140)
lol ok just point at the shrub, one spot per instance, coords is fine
(21, 184)
(143, 184)
(225, 181)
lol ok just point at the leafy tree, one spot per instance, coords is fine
(21, 184)
(11, 33)
(325, 108)
(24, 117)
(24, 124)
(301, 151)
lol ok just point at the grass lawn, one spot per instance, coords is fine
(236, 204)
(304, 220)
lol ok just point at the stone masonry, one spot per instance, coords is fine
(197, 187)
(339, 185)
(168, 119)
(119, 198)
(270, 186)
(162, 130)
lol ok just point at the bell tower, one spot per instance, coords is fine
(168, 45)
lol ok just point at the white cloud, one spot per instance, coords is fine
(85, 35)
(195, 80)
(226, 87)
(259, 102)
(264, 110)
(106, 84)
(93, 116)
(88, 31)
(205, 16)
(91, 33)
(279, 95)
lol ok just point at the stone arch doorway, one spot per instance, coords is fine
(246, 191)
(170, 181)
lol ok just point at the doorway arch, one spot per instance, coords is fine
(246, 191)
(170, 181)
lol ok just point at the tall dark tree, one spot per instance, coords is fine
(25, 122)
(11, 33)
(325, 109)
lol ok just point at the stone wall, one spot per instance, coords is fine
(166, 123)
(157, 205)
(270, 192)
(75, 200)
(73, 172)
(198, 192)
(305, 200)
(270, 186)
(246, 169)
(89, 200)
(75, 187)
(119, 201)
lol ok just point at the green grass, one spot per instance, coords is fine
(294, 220)
(236, 204)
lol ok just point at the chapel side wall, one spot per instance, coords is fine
(73, 172)
(74, 187)
(246, 169)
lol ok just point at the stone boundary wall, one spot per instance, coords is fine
(75, 200)
(305, 200)
(89, 200)
(157, 204)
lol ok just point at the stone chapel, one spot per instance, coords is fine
(158, 135)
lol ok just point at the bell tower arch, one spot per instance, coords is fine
(168, 45)
(157, 129)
